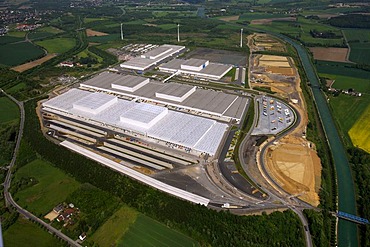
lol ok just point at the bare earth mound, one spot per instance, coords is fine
(30, 65)
(296, 166)
(329, 54)
(91, 32)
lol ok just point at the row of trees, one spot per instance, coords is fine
(206, 226)
(360, 164)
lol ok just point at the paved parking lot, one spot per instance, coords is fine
(274, 116)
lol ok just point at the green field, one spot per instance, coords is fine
(25, 233)
(50, 29)
(301, 28)
(258, 16)
(115, 227)
(52, 188)
(167, 26)
(9, 39)
(8, 111)
(345, 82)
(57, 45)
(15, 54)
(360, 133)
(359, 41)
(18, 34)
(344, 69)
(16, 88)
(104, 39)
(148, 232)
(88, 20)
(347, 109)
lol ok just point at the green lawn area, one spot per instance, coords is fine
(57, 45)
(148, 232)
(50, 29)
(345, 82)
(115, 227)
(18, 34)
(16, 88)
(53, 187)
(88, 19)
(8, 111)
(15, 54)
(25, 233)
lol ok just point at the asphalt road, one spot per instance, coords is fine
(8, 197)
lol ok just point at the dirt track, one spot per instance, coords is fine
(30, 65)
(90, 33)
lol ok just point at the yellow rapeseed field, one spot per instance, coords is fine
(360, 131)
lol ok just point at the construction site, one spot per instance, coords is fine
(292, 160)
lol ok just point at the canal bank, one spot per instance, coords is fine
(347, 231)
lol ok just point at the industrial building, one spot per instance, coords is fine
(185, 98)
(153, 57)
(108, 113)
(199, 68)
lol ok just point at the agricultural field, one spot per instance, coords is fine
(348, 109)
(88, 20)
(359, 133)
(8, 111)
(104, 39)
(6, 39)
(301, 28)
(57, 45)
(359, 41)
(15, 54)
(27, 234)
(345, 82)
(329, 53)
(148, 232)
(344, 69)
(115, 227)
(53, 186)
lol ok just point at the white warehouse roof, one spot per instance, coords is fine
(214, 71)
(202, 134)
(152, 57)
(178, 95)
(144, 115)
(95, 103)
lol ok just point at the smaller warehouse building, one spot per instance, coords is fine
(153, 57)
(199, 68)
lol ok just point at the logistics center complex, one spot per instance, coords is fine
(127, 116)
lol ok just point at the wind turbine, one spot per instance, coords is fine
(241, 38)
(178, 32)
(121, 32)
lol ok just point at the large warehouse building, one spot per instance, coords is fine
(214, 104)
(143, 120)
(196, 67)
(153, 57)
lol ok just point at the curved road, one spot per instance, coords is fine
(8, 196)
(283, 195)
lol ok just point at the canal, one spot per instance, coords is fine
(347, 231)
